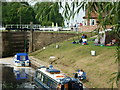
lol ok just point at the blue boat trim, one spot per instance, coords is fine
(52, 70)
(22, 54)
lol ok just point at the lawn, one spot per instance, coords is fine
(71, 57)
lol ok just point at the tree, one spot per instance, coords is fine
(112, 17)
(17, 13)
(48, 12)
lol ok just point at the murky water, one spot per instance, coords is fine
(14, 78)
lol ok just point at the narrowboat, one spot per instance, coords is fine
(52, 79)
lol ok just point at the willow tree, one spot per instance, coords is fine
(112, 18)
(48, 13)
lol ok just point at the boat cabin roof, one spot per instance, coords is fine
(22, 54)
(53, 70)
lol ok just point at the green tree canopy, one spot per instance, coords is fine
(48, 12)
(17, 13)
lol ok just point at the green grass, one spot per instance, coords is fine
(70, 57)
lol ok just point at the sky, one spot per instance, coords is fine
(78, 17)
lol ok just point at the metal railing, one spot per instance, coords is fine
(34, 27)
(22, 26)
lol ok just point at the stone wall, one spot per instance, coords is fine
(13, 42)
(41, 39)
(17, 42)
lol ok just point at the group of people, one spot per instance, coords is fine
(82, 41)
(80, 74)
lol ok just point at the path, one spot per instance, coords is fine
(8, 61)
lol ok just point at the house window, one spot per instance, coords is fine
(85, 22)
(97, 22)
(92, 22)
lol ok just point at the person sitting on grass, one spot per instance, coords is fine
(75, 42)
(80, 41)
(81, 74)
(84, 43)
(84, 36)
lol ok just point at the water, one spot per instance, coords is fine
(17, 78)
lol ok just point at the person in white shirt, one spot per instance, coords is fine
(76, 26)
(80, 73)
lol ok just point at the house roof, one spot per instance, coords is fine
(93, 15)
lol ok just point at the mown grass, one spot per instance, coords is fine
(70, 57)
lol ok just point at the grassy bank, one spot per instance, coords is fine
(70, 57)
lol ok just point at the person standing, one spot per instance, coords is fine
(76, 26)
(71, 26)
(67, 24)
